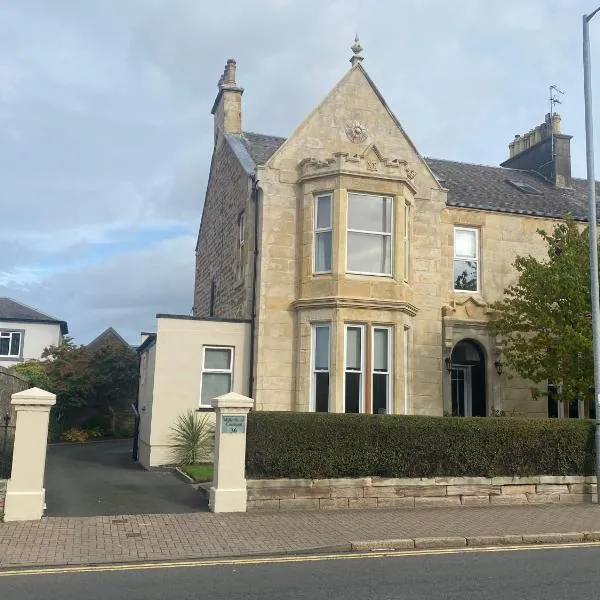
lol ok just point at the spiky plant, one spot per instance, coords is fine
(191, 438)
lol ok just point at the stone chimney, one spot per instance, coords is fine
(543, 150)
(227, 109)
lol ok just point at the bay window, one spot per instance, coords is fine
(320, 367)
(369, 241)
(382, 363)
(353, 372)
(323, 233)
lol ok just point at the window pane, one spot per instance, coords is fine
(4, 346)
(380, 393)
(217, 358)
(322, 392)
(380, 349)
(353, 344)
(323, 212)
(214, 385)
(369, 213)
(322, 348)
(353, 384)
(465, 275)
(323, 252)
(465, 244)
(368, 253)
(15, 344)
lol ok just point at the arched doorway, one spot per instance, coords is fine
(468, 380)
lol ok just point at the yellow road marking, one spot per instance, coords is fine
(269, 560)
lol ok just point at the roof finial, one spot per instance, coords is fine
(356, 49)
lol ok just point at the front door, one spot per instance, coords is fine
(461, 391)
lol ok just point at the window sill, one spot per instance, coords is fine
(378, 275)
(12, 358)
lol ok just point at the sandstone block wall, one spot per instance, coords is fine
(376, 492)
(217, 253)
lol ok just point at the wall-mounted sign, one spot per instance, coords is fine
(233, 424)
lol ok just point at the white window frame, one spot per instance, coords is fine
(313, 368)
(463, 258)
(320, 230)
(227, 371)
(361, 400)
(9, 333)
(374, 233)
(390, 366)
(406, 237)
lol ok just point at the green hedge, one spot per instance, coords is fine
(322, 445)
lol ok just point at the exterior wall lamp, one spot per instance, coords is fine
(448, 362)
(499, 366)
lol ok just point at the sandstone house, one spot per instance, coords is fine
(356, 273)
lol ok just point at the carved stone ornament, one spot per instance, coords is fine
(356, 132)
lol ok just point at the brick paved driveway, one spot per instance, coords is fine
(100, 478)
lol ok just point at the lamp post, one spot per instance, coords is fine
(592, 230)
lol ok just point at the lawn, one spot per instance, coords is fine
(202, 472)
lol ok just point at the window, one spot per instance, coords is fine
(320, 375)
(466, 259)
(217, 373)
(323, 233)
(354, 364)
(524, 187)
(369, 242)
(10, 343)
(382, 361)
(213, 298)
(241, 242)
(406, 240)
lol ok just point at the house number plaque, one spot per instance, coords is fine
(233, 424)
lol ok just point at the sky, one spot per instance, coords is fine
(106, 132)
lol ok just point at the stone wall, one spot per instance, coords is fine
(375, 492)
(217, 253)
(9, 384)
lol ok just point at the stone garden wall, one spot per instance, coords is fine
(373, 492)
(2, 494)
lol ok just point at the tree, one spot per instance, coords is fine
(34, 372)
(544, 318)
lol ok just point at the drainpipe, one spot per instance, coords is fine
(255, 197)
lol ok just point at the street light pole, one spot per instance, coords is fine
(592, 229)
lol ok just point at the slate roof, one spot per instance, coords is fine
(469, 185)
(109, 337)
(11, 310)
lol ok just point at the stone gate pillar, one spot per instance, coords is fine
(228, 493)
(25, 493)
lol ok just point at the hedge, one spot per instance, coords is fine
(323, 445)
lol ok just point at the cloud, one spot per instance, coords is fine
(106, 132)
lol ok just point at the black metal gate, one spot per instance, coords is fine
(7, 440)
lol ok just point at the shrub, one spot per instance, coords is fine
(81, 435)
(322, 445)
(192, 438)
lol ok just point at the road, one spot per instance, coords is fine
(548, 574)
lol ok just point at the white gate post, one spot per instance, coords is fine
(228, 493)
(25, 493)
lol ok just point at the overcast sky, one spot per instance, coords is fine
(106, 132)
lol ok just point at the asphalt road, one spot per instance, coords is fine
(535, 574)
(100, 478)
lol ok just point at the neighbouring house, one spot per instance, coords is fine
(340, 270)
(25, 332)
(109, 337)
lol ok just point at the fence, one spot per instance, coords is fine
(7, 439)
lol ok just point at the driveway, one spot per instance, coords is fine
(100, 478)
